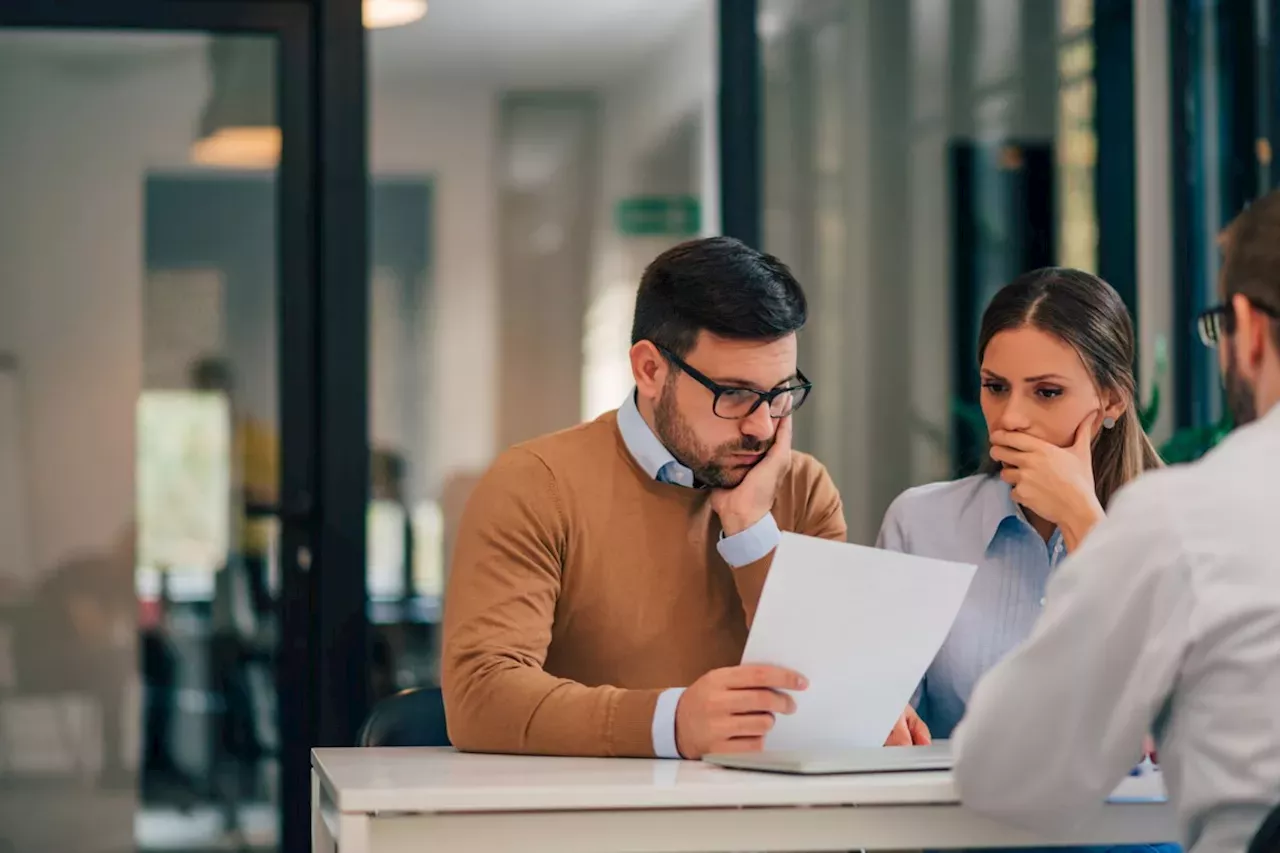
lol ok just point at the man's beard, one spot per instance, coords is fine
(677, 436)
(1241, 400)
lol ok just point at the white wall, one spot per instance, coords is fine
(677, 84)
(450, 134)
(679, 80)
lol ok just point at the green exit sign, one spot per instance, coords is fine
(659, 216)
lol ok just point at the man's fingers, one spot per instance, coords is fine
(738, 744)
(780, 451)
(901, 735)
(753, 700)
(763, 675)
(750, 725)
(782, 438)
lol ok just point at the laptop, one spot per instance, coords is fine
(885, 759)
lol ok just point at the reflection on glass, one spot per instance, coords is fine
(428, 552)
(401, 412)
(1077, 149)
(138, 446)
(1074, 16)
(184, 474)
(1075, 58)
(1077, 159)
(386, 560)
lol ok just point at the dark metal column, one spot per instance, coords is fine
(741, 162)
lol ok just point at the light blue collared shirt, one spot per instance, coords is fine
(974, 520)
(740, 549)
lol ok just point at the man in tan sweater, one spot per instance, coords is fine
(604, 577)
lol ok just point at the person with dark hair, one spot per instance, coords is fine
(604, 577)
(1056, 352)
(1167, 618)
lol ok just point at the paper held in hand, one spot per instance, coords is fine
(862, 625)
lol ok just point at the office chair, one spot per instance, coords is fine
(413, 717)
(1267, 838)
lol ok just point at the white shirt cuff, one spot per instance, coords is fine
(754, 543)
(664, 723)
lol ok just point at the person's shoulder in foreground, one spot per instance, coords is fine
(1163, 621)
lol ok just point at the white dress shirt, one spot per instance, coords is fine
(1167, 619)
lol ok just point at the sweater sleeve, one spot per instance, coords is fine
(816, 510)
(503, 587)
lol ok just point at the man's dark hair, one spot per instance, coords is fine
(1251, 256)
(718, 285)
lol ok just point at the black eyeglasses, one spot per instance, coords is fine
(1219, 320)
(735, 404)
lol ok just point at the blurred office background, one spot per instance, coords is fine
(162, 328)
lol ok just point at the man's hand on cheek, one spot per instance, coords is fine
(752, 499)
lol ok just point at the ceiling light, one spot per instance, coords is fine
(238, 127)
(379, 14)
(239, 148)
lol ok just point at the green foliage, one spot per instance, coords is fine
(1189, 443)
(1148, 414)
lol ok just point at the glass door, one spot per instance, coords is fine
(157, 411)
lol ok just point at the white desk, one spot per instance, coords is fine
(392, 800)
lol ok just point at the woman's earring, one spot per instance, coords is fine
(1108, 423)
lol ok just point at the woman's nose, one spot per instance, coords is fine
(1013, 417)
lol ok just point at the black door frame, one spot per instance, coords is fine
(741, 146)
(1116, 170)
(323, 339)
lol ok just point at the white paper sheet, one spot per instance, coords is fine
(862, 625)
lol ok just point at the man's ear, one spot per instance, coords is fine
(648, 369)
(1250, 338)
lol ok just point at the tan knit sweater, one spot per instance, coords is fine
(581, 588)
